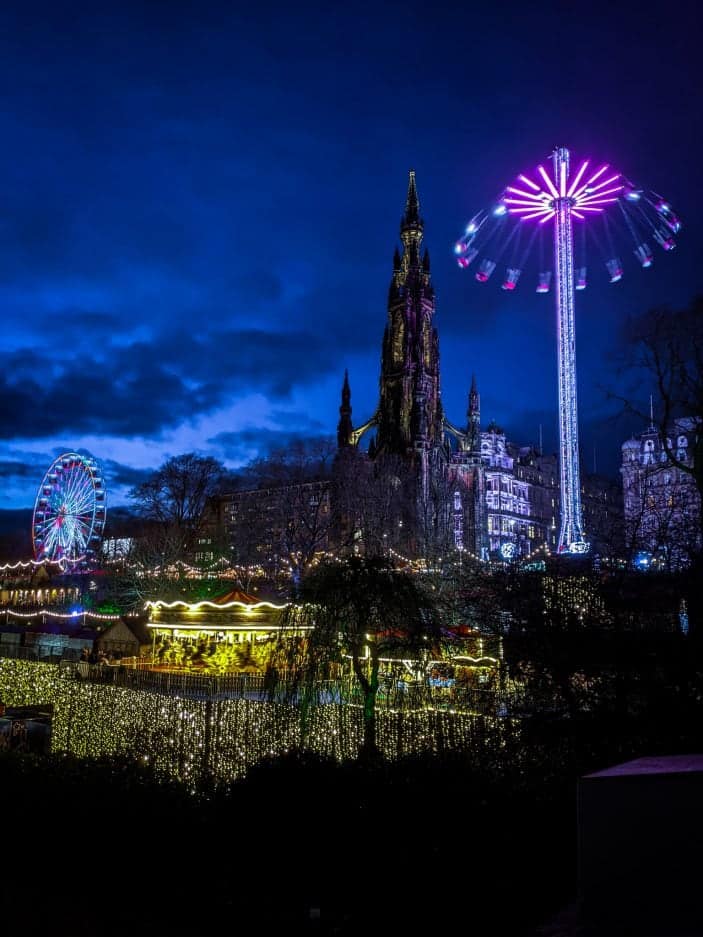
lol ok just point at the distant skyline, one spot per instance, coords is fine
(199, 208)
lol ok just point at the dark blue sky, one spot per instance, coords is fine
(199, 206)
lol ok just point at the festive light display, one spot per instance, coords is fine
(562, 197)
(219, 739)
(61, 563)
(206, 603)
(69, 510)
(47, 613)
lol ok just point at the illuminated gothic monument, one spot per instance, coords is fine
(469, 489)
(408, 480)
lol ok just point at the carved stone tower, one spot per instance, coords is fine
(410, 416)
(345, 427)
(473, 429)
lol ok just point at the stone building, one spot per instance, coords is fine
(661, 502)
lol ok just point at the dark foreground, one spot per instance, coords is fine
(306, 846)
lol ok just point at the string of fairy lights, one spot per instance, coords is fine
(206, 603)
(192, 739)
(226, 569)
(62, 563)
(48, 613)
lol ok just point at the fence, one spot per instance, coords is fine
(187, 730)
(398, 695)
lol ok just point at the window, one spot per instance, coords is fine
(458, 531)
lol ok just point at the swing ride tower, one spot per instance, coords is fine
(560, 198)
(571, 534)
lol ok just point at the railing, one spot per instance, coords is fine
(18, 651)
(135, 674)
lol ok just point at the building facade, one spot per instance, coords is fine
(661, 502)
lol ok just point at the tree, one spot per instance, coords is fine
(173, 531)
(362, 610)
(659, 502)
(664, 348)
(282, 519)
(373, 501)
(174, 500)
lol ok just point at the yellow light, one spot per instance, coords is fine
(206, 603)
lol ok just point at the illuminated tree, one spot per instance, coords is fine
(362, 612)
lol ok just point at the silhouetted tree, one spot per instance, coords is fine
(361, 610)
(282, 518)
(174, 500)
(664, 350)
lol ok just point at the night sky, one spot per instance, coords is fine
(199, 207)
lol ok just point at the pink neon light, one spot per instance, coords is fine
(598, 205)
(550, 184)
(538, 214)
(529, 182)
(550, 215)
(579, 192)
(599, 173)
(522, 201)
(577, 214)
(562, 179)
(576, 181)
(525, 208)
(596, 195)
(534, 198)
(595, 188)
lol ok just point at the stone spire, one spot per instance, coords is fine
(345, 426)
(473, 427)
(411, 226)
(410, 412)
(412, 206)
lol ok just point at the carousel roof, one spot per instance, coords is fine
(236, 595)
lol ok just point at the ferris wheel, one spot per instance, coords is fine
(69, 510)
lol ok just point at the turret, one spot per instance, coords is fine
(345, 426)
(473, 417)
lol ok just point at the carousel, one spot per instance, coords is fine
(232, 633)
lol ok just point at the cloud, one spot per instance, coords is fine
(145, 388)
(12, 469)
(250, 443)
(123, 476)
